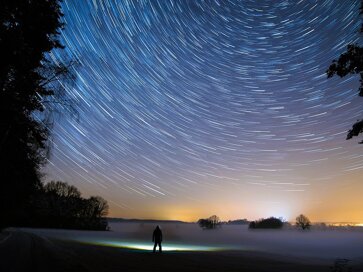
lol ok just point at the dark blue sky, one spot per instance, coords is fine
(181, 102)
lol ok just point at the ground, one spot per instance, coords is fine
(24, 251)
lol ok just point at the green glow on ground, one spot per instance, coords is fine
(149, 247)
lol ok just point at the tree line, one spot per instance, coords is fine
(213, 222)
(60, 205)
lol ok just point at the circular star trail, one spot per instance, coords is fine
(181, 102)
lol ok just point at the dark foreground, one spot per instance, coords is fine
(22, 251)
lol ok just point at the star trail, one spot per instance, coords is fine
(191, 108)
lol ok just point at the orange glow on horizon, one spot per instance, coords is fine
(339, 201)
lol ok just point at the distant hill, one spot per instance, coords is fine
(125, 220)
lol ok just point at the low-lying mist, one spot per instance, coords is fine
(315, 243)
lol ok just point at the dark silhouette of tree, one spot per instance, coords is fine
(267, 223)
(29, 30)
(61, 189)
(94, 212)
(60, 205)
(350, 62)
(303, 222)
(209, 223)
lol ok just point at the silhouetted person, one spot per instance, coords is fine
(157, 238)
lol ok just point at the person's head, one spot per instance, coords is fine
(157, 227)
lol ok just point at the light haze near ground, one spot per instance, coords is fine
(316, 244)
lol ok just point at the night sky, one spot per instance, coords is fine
(193, 108)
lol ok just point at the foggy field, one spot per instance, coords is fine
(315, 244)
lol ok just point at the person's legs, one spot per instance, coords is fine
(160, 249)
(155, 246)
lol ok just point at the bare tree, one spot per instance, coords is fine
(62, 189)
(59, 204)
(209, 223)
(303, 222)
